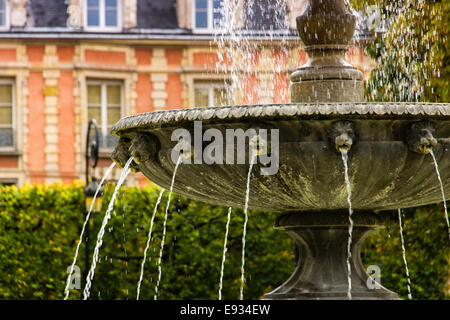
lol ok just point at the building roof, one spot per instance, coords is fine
(47, 13)
(157, 14)
(157, 20)
(270, 16)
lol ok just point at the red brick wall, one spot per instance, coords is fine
(8, 55)
(105, 57)
(9, 162)
(174, 86)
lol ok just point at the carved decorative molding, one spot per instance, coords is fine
(185, 13)
(75, 12)
(18, 12)
(129, 8)
(293, 10)
(388, 110)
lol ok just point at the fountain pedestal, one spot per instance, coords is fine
(326, 29)
(321, 271)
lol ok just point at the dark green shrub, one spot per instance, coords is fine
(427, 253)
(40, 227)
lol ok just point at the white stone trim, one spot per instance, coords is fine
(129, 13)
(18, 11)
(293, 10)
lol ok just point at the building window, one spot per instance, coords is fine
(209, 94)
(208, 15)
(7, 110)
(4, 16)
(105, 105)
(8, 182)
(103, 14)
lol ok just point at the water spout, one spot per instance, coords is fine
(342, 136)
(420, 138)
(143, 147)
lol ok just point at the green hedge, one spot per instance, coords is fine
(427, 253)
(40, 227)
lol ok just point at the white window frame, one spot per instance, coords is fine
(103, 124)
(102, 26)
(6, 26)
(210, 27)
(13, 113)
(210, 86)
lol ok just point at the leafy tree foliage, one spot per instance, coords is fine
(427, 251)
(413, 55)
(41, 226)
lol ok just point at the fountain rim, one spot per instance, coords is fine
(362, 110)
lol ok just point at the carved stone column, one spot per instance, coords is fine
(326, 28)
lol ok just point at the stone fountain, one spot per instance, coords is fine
(387, 146)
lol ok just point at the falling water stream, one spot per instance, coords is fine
(404, 253)
(126, 170)
(164, 227)
(239, 49)
(67, 291)
(247, 195)
(224, 253)
(344, 153)
(238, 53)
(442, 191)
(149, 238)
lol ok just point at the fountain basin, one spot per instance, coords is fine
(386, 172)
(388, 149)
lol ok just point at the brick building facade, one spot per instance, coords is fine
(63, 62)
